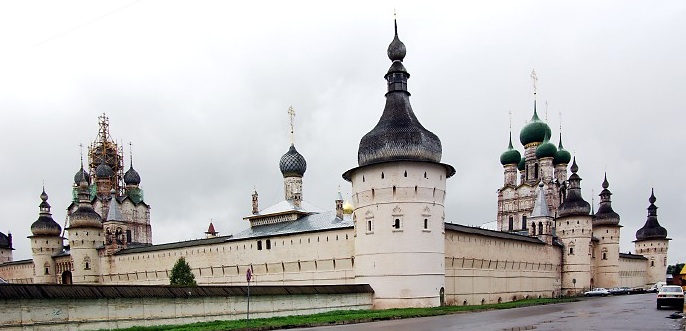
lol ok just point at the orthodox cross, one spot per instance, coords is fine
(81, 152)
(546, 110)
(291, 114)
(131, 153)
(534, 78)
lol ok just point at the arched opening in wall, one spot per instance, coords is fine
(405, 174)
(540, 227)
(571, 250)
(268, 243)
(66, 277)
(464, 303)
(536, 170)
(510, 224)
(604, 256)
(425, 176)
(533, 227)
(46, 268)
(514, 298)
(524, 222)
(483, 301)
(382, 175)
(394, 191)
(500, 300)
(652, 263)
(441, 295)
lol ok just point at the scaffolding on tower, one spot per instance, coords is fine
(105, 150)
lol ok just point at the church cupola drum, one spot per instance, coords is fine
(398, 192)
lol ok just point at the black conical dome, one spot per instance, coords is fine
(398, 136)
(652, 228)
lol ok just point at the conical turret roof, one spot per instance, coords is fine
(652, 228)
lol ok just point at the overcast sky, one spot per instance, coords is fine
(202, 88)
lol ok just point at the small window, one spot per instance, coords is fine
(128, 236)
(426, 223)
(405, 174)
(604, 256)
(396, 223)
(269, 244)
(571, 250)
(540, 228)
(259, 245)
(523, 222)
(510, 224)
(652, 263)
(369, 225)
(382, 175)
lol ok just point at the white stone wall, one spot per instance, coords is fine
(18, 272)
(300, 259)
(399, 217)
(91, 314)
(484, 270)
(632, 272)
(84, 255)
(5, 255)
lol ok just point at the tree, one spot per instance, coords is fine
(181, 274)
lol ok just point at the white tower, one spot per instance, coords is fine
(398, 192)
(45, 242)
(85, 237)
(652, 242)
(574, 229)
(606, 229)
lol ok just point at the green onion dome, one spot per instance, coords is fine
(522, 164)
(546, 149)
(511, 155)
(562, 156)
(534, 131)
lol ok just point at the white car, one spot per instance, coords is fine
(597, 292)
(670, 295)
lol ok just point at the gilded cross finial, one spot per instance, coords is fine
(534, 79)
(81, 152)
(131, 153)
(510, 113)
(291, 114)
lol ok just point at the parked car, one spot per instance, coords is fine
(670, 295)
(619, 290)
(637, 290)
(656, 287)
(597, 292)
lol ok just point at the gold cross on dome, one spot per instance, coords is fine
(534, 78)
(291, 114)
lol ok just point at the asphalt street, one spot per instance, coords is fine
(624, 312)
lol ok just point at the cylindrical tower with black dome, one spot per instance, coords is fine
(398, 194)
(652, 242)
(606, 230)
(46, 241)
(85, 237)
(574, 228)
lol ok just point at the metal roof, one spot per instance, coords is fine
(53, 291)
(632, 256)
(309, 223)
(28, 261)
(491, 233)
(287, 206)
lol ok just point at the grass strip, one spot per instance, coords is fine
(340, 317)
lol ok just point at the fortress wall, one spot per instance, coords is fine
(17, 272)
(306, 258)
(483, 269)
(632, 271)
(166, 305)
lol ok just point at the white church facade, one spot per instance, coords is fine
(394, 236)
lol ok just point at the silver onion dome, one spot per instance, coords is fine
(292, 163)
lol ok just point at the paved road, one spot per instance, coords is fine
(626, 312)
